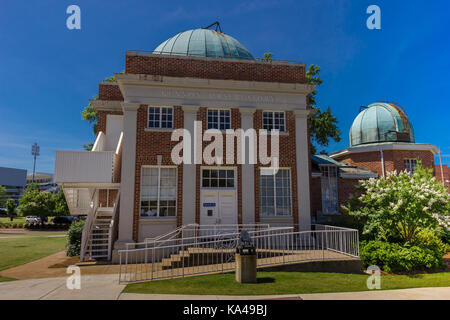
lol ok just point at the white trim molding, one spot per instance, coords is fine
(384, 147)
(185, 91)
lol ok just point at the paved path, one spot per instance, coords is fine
(106, 287)
(54, 266)
(94, 287)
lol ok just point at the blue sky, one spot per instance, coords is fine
(48, 72)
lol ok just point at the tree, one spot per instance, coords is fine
(398, 207)
(36, 203)
(11, 206)
(61, 208)
(323, 125)
(2, 196)
(90, 115)
(268, 57)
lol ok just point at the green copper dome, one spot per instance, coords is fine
(204, 43)
(381, 122)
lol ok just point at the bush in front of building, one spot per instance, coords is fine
(404, 220)
(74, 238)
(395, 257)
(397, 207)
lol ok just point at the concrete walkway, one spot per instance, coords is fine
(93, 287)
(106, 287)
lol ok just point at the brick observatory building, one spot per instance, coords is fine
(381, 140)
(128, 184)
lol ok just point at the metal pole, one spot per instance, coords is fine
(323, 252)
(442, 170)
(34, 167)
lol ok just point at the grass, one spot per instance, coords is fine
(278, 283)
(16, 220)
(16, 251)
(4, 279)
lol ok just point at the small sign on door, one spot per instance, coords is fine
(207, 204)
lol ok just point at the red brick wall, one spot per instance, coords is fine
(106, 197)
(346, 187)
(393, 159)
(446, 171)
(149, 144)
(214, 69)
(288, 159)
(108, 91)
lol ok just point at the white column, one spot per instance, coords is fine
(127, 192)
(189, 170)
(248, 173)
(302, 153)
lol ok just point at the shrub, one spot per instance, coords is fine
(397, 207)
(74, 238)
(445, 236)
(393, 257)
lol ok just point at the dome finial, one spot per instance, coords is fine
(217, 24)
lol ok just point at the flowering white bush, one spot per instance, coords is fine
(399, 205)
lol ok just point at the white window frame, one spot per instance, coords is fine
(275, 215)
(218, 118)
(219, 168)
(273, 120)
(160, 117)
(410, 165)
(157, 216)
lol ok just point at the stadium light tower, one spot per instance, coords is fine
(35, 153)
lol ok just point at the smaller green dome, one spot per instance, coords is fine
(204, 43)
(381, 122)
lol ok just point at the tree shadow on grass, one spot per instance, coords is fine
(265, 280)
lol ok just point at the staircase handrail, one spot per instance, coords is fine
(113, 224)
(87, 226)
(100, 141)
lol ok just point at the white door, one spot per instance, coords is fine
(218, 197)
(227, 207)
(209, 213)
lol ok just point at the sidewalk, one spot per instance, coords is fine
(106, 287)
(93, 287)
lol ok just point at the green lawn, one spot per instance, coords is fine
(16, 220)
(18, 250)
(277, 283)
(3, 279)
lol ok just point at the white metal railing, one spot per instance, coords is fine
(113, 224)
(197, 230)
(100, 142)
(180, 257)
(88, 225)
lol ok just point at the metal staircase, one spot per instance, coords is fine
(98, 242)
(100, 231)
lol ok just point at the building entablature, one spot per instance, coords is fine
(170, 91)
